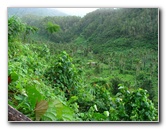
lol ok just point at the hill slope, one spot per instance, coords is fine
(35, 11)
(105, 24)
(124, 27)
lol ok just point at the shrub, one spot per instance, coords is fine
(64, 75)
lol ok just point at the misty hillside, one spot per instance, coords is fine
(35, 11)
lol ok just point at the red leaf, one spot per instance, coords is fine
(9, 80)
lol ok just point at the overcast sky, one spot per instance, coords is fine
(76, 11)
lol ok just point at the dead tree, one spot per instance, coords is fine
(14, 115)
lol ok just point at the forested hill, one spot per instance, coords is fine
(122, 27)
(125, 27)
(35, 11)
(103, 24)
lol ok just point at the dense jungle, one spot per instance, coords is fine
(100, 67)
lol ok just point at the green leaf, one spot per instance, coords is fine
(95, 106)
(67, 114)
(18, 86)
(57, 107)
(121, 87)
(73, 99)
(50, 115)
(98, 117)
(82, 114)
(138, 94)
(34, 95)
(106, 113)
(19, 97)
(58, 111)
(37, 82)
(14, 76)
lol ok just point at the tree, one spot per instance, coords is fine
(28, 31)
(52, 28)
(15, 27)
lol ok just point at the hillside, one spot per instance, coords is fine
(34, 11)
(135, 24)
(105, 26)
(102, 67)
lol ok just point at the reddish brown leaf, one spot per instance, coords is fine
(40, 109)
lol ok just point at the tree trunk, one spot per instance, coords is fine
(14, 115)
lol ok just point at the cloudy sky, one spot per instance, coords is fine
(76, 11)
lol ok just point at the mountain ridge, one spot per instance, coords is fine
(35, 11)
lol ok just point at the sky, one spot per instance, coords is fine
(76, 11)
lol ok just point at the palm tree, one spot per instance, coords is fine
(52, 28)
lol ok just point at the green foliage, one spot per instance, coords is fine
(54, 82)
(136, 105)
(28, 31)
(14, 76)
(143, 81)
(105, 24)
(18, 29)
(52, 28)
(64, 74)
(100, 100)
(115, 82)
(34, 95)
(15, 27)
(67, 27)
(57, 111)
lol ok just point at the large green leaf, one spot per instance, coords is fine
(54, 111)
(57, 111)
(14, 76)
(51, 113)
(67, 113)
(34, 95)
(59, 107)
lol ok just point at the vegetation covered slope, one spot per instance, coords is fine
(34, 11)
(79, 78)
(105, 26)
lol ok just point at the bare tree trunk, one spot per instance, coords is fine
(14, 115)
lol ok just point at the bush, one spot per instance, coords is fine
(15, 27)
(64, 75)
(115, 82)
(134, 106)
